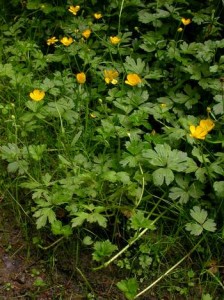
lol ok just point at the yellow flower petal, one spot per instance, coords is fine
(186, 21)
(198, 132)
(207, 124)
(37, 95)
(97, 16)
(74, 9)
(86, 33)
(51, 41)
(114, 40)
(81, 77)
(66, 41)
(133, 79)
(110, 76)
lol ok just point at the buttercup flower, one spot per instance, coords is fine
(198, 132)
(110, 76)
(207, 124)
(81, 77)
(114, 40)
(66, 41)
(97, 16)
(186, 21)
(37, 95)
(74, 9)
(133, 79)
(51, 41)
(86, 33)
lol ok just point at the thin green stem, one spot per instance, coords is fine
(120, 13)
(169, 270)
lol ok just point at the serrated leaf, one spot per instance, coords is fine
(194, 228)
(219, 188)
(138, 221)
(198, 214)
(96, 217)
(158, 156)
(123, 177)
(209, 225)
(111, 176)
(79, 220)
(178, 193)
(103, 249)
(162, 175)
(129, 287)
(134, 66)
(206, 297)
(195, 190)
(41, 221)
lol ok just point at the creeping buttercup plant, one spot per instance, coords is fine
(112, 129)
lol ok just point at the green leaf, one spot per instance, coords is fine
(219, 188)
(129, 287)
(198, 214)
(159, 156)
(163, 156)
(110, 176)
(41, 221)
(87, 240)
(219, 107)
(79, 220)
(134, 66)
(97, 217)
(10, 152)
(139, 221)
(36, 151)
(123, 177)
(206, 297)
(209, 225)
(176, 192)
(162, 175)
(194, 228)
(58, 228)
(103, 249)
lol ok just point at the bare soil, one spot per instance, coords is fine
(29, 273)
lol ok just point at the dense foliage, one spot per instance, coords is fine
(112, 131)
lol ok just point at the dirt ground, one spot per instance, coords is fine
(29, 273)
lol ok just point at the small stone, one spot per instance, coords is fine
(21, 278)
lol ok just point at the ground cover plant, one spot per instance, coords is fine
(112, 136)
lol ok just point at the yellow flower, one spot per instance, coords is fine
(86, 33)
(97, 16)
(92, 115)
(207, 124)
(66, 41)
(133, 79)
(51, 41)
(74, 9)
(110, 76)
(163, 105)
(37, 95)
(81, 77)
(115, 40)
(198, 132)
(186, 21)
(180, 29)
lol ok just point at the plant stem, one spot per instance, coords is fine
(120, 12)
(170, 270)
